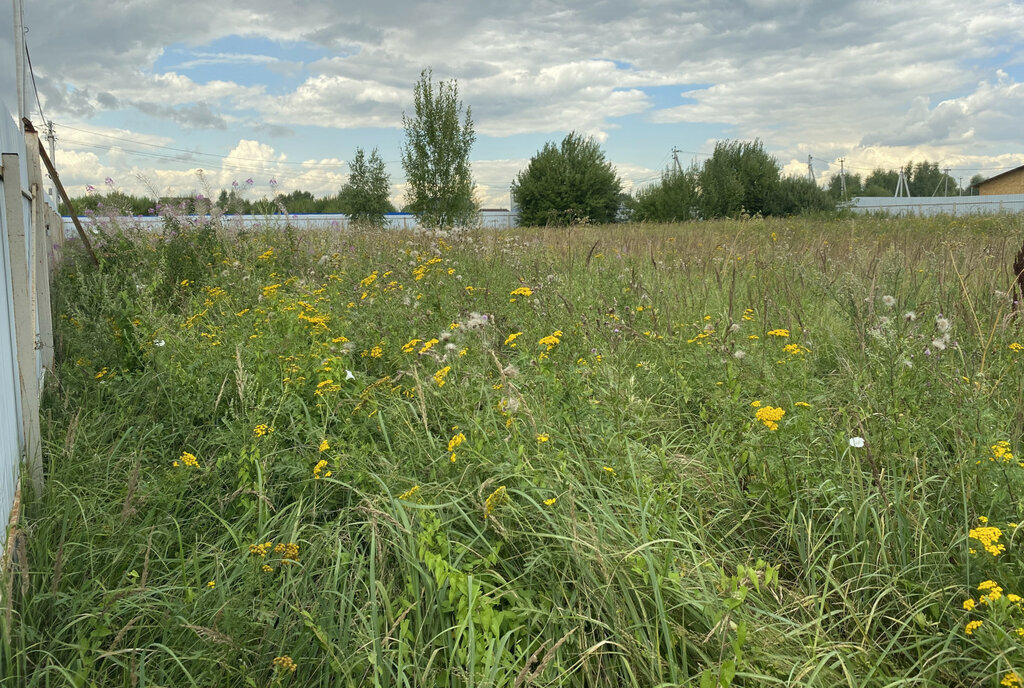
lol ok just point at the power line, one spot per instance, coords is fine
(34, 87)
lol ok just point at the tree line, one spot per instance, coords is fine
(563, 183)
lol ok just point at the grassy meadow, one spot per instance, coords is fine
(749, 453)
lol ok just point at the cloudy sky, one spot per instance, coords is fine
(148, 92)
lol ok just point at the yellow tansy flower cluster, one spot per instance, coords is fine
(319, 468)
(551, 340)
(494, 499)
(770, 416)
(511, 339)
(1012, 680)
(188, 459)
(284, 663)
(440, 375)
(409, 493)
(988, 536)
(779, 332)
(521, 291)
(454, 442)
(262, 430)
(972, 626)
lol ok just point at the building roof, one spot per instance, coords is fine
(1001, 174)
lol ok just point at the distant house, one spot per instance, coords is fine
(1009, 182)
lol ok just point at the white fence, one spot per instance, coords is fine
(30, 236)
(493, 219)
(948, 205)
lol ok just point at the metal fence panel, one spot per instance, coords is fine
(939, 205)
(11, 438)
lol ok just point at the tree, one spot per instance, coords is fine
(436, 154)
(796, 195)
(673, 199)
(567, 183)
(738, 177)
(365, 197)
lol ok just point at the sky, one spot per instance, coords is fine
(148, 93)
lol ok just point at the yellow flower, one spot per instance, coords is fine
(770, 415)
(972, 626)
(410, 492)
(1012, 679)
(455, 441)
(969, 604)
(494, 499)
(543, 437)
(549, 502)
(189, 460)
(988, 536)
(284, 663)
(262, 429)
(211, 584)
(780, 332)
(609, 470)
(509, 340)
(802, 403)
(324, 446)
(440, 375)
(755, 403)
(319, 468)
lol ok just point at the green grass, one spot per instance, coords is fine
(664, 483)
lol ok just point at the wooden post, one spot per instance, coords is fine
(67, 201)
(24, 319)
(41, 251)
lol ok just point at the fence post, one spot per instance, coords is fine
(40, 251)
(24, 319)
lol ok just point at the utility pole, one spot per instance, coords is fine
(945, 183)
(675, 160)
(810, 169)
(902, 186)
(842, 178)
(960, 186)
(19, 60)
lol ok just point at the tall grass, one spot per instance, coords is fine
(616, 514)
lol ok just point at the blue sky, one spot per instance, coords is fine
(263, 89)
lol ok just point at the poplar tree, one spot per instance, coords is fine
(365, 197)
(438, 138)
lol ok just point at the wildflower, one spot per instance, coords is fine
(266, 255)
(510, 340)
(770, 415)
(494, 499)
(455, 441)
(262, 429)
(542, 438)
(261, 548)
(551, 340)
(319, 468)
(1012, 679)
(189, 459)
(795, 349)
(969, 604)
(942, 324)
(324, 446)
(888, 301)
(440, 375)
(856, 442)
(780, 332)
(802, 403)
(211, 584)
(549, 502)
(1017, 347)
(609, 470)
(739, 354)
(755, 403)
(910, 316)
(988, 536)
(972, 626)
(284, 663)
(349, 375)
(289, 552)
(428, 345)
(103, 372)
(409, 493)
(521, 291)
(267, 568)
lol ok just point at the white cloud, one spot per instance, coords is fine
(872, 82)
